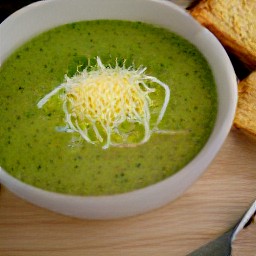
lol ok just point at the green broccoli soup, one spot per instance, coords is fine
(103, 107)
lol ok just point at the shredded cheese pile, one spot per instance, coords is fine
(106, 97)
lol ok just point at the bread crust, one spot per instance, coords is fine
(234, 26)
(245, 118)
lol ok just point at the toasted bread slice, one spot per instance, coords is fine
(245, 118)
(233, 22)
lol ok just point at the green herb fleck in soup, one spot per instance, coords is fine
(165, 122)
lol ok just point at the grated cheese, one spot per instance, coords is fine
(106, 97)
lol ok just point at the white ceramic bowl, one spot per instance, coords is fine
(44, 15)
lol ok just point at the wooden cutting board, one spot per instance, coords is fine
(208, 209)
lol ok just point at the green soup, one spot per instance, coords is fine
(33, 151)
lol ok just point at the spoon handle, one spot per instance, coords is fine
(218, 247)
(246, 220)
(223, 244)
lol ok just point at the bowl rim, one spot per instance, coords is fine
(133, 198)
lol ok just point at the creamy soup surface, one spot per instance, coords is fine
(34, 151)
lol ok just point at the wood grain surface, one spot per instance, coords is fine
(209, 208)
(245, 244)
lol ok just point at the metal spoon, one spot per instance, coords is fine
(222, 246)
